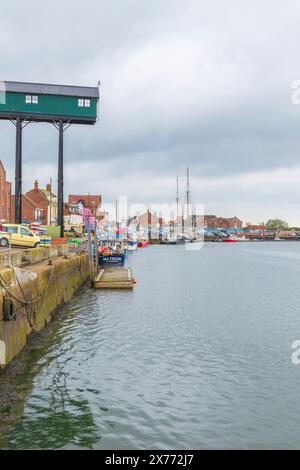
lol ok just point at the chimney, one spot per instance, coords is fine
(36, 185)
(48, 187)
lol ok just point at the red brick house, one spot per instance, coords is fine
(89, 201)
(5, 196)
(213, 221)
(30, 212)
(40, 200)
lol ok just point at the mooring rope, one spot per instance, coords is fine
(24, 301)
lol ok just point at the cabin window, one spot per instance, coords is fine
(34, 99)
(84, 103)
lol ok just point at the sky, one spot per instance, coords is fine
(197, 83)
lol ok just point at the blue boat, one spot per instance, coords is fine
(115, 252)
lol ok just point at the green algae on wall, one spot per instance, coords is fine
(37, 292)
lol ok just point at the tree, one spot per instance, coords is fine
(274, 224)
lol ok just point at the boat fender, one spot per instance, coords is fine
(9, 311)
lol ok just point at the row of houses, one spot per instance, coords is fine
(39, 204)
(211, 221)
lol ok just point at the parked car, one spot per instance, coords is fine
(18, 235)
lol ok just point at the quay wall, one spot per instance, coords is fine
(35, 293)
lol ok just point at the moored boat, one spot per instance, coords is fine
(112, 252)
(132, 245)
(143, 244)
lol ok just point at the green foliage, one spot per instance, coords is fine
(274, 224)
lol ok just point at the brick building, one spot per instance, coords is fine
(30, 212)
(40, 200)
(143, 219)
(5, 196)
(213, 221)
(89, 201)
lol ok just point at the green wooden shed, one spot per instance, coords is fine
(48, 103)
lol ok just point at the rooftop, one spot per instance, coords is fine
(49, 89)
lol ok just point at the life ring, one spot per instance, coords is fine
(9, 311)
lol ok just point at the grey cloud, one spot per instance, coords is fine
(204, 83)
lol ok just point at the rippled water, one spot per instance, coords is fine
(198, 356)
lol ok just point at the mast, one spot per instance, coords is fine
(188, 197)
(177, 199)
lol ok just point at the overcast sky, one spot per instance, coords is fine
(199, 83)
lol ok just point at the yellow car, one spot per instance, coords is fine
(18, 235)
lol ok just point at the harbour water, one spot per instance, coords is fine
(197, 356)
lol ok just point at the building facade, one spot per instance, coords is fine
(45, 201)
(5, 196)
(30, 212)
(88, 201)
(212, 221)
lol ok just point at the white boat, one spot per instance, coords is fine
(132, 245)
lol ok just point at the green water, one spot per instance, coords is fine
(197, 356)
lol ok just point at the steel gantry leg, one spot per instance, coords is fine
(18, 172)
(60, 180)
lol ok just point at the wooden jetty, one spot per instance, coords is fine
(114, 278)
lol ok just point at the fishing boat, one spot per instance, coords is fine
(143, 244)
(169, 240)
(234, 239)
(112, 252)
(132, 245)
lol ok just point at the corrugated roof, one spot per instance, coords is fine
(48, 89)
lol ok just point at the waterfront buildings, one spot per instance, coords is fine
(39, 197)
(30, 211)
(87, 201)
(212, 221)
(5, 196)
(73, 218)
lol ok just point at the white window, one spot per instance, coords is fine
(34, 99)
(84, 103)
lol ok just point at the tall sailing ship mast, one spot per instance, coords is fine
(187, 195)
(177, 200)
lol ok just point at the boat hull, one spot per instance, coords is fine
(143, 244)
(132, 246)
